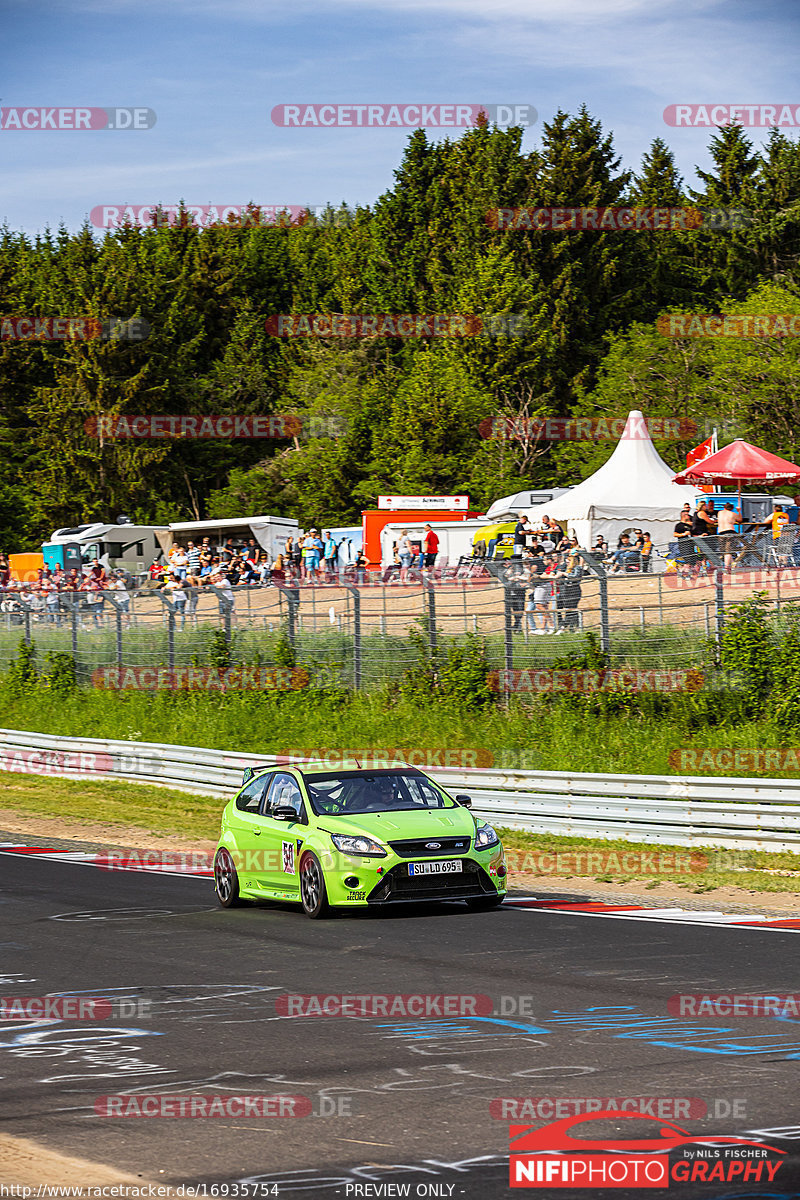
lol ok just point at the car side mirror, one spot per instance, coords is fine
(284, 812)
(464, 801)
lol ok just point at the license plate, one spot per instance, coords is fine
(435, 868)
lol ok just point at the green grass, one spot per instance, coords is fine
(538, 735)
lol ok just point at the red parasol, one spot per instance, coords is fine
(740, 463)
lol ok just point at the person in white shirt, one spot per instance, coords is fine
(404, 553)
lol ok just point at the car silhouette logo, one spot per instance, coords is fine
(433, 845)
(556, 1137)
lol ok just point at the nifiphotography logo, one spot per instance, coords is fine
(551, 1157)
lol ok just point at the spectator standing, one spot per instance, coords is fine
(175, 590)
(117, 584)
(404, 554)
(193, 555)
(430, 546)
(329, 555)
(522, 530)
(683, 538)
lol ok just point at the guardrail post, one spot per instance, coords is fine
(356, 594)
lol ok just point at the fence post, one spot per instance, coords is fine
(170, 607)
(292, 604)
(27, 626)
(508, 636)
(720, 605)
(429, 586)
(73, 606)
(602, 580)
(356, 594)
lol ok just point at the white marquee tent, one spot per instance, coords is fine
(634, 488)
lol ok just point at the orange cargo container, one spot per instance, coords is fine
(375, 519)
(26, 567)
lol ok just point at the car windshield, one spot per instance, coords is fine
(345, 793)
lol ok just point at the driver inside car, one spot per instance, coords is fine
(372, 795)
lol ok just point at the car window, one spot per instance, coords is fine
(249, 798)
(378, 791)
(284, 792)
(424, 793)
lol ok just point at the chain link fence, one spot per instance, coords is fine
(365, 635)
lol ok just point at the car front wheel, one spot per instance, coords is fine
(312, 887)
(226, 880)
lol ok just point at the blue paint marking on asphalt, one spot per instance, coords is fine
(432, 1029)
(625, 1021)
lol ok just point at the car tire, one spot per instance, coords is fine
(313, 894)
(226, 880)
(484, 903)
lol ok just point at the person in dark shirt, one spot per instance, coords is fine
(683, 538)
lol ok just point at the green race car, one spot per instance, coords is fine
(354, 838)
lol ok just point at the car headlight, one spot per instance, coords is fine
(486, 837)
(358, 844)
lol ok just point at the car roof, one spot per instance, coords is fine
(347, 766)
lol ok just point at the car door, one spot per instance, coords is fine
(247, 825)
(283, 840)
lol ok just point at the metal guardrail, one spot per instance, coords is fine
(732, 813)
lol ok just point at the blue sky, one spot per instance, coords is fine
(213, 70)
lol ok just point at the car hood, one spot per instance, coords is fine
(390, 826)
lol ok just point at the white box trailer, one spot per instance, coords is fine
(269, 532)
(455, 538)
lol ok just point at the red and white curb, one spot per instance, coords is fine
(640, 912)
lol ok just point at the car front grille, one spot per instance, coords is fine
(431, 847)
(398, 885)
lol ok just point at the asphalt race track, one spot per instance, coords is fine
(580, 1010)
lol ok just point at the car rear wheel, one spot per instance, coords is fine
(482, 903)
(312, 887)
(226, 880)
